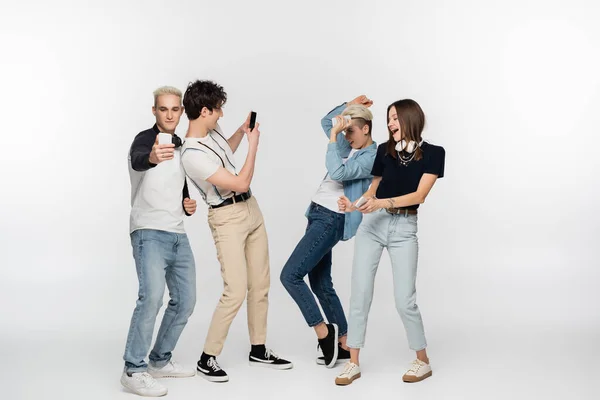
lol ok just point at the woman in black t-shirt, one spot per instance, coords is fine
(404, 172)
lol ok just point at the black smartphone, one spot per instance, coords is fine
(252, 120)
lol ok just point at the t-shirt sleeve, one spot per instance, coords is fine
(198, 165)
(435, 161)
(377, 169)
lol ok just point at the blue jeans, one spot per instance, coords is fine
(398, 234)
(160, 257)
(312, 257)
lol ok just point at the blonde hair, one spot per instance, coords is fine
(358, 111)
(361, 115)
(167, 90)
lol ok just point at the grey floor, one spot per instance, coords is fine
(492, 363)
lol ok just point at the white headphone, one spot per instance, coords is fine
(409, 147)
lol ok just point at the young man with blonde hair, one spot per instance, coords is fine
(162, 252)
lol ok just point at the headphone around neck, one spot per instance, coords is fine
(409, 147)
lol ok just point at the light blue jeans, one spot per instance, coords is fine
(398, 234)
(160, 257)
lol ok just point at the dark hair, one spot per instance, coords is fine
(202, 94)
(412, 122)
(361, 122)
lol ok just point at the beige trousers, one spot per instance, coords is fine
(242, 248)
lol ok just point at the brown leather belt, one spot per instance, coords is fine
(401, 211)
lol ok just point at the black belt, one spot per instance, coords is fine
(233, 200)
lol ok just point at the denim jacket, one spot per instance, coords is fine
(355, 174)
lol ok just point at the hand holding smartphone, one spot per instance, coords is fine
(165, 138)
(346, 117)
(361, 202)
(163, 148)
(253, 133)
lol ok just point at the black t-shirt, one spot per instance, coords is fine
(397, 179)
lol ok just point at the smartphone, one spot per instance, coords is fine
(346, 117)
(165, 138)
(360, 202)
(252, 120)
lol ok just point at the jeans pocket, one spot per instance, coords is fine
(412, 220)
(326, 216)
(408, 224)
(137, 238)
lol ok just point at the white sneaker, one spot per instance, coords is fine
(171, 370)
(417, 372)
(143, 384)
(350, 373)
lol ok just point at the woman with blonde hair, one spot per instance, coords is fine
(349, 159)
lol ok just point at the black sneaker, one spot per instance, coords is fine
(343, 356)
(263, 357)
(209, 368)
(329, 346)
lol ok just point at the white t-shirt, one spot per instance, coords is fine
(157, 196)
(201, 158)
(330, 191)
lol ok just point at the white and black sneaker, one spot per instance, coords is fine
(329, 346)
(209, 368)
(343, 356)
(260, 356)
